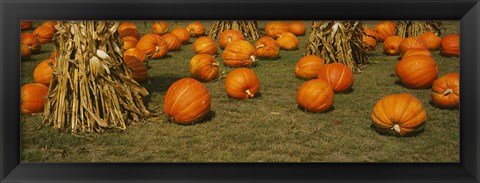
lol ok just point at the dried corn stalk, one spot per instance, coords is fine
(416, 28)
(249, 29)
(91, 89)
(338, 42)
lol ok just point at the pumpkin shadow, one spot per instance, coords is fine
(345, 92)
(442, 108)
(398, 82)
(159, 84)
(210, 115)
(305, 111)
(389, 132)
(270, 59)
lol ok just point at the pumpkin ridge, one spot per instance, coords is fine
(179, 96)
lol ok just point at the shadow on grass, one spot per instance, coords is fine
(442, 108)
(270, 59)
(210, 115)
(305, 111)
(159, 84)
(390, 132)
(345, 92)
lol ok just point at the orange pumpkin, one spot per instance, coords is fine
(43, 72)
(137, 53)
(308, 67)
(297, 28)
(431, 40)
(391, 45)
(287, 41)
(385, 29)
(369, 43)
(137, 67)
(25, 25)
(33, 97)
(187, 101)
(196, 29)
(239, 53)
(416, 51)
(315, 95)
(49, 23)
(126, 25)
(53, 55)
(129, 42)
(228, 36)
(338, 75)
(172, 41)
(31, 41)
(266, 47)
(204, 45)
(275, 28)
(399, 114)
(242, 83)
(182, 34)
(450, 45)
(369, 32)
(153, 45)
(44, 34)
(159, 27)
(25, 51)
(412, 42)
(417, 71)
(129, 32)
(446, 91)
(203, 67)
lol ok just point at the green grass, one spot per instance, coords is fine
(268, 128)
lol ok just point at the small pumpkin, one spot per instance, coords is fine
(391, 45)
(129, 42)
(137, 53)
(44, 34)
(228, 36)
(266, 47)
(369, 43)
(315, 95)
(26, 53)
(204, 68)
(129, 32)
(385, 29)
(417, 71)
(25, 25)
(33, 98)
(239, 53)
(446, 91)
(43, 72)
(308, 67)
(370, 32)
(399, 114)
(160, 27)
(126, 25)
(137, 67)
(412, 42)
(242, 83)
(49, 23)
(31, 41)
(431, 40)
(417, 51)
(182, 34)
(196, 29)
(338, 75)
(450, 45)
(287, 41)
(204, 45)
(187, 101)
(275, 28)
(173, 41)
(297, 28)
(153, 45)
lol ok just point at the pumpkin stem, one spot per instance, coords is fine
(448, 91)
(396, 127)
(260, 46)
(252, 57)
(229, 40)
(157, 48)
(249, 93)
(215, 64)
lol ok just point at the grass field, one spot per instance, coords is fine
(268, 128)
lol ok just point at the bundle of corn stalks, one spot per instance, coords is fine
(91, 88)
(248, 28)
(339, 42)
(416, 28)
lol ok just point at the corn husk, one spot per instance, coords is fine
(416, 28)
(249, 29)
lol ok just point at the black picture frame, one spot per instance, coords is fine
(11, 12)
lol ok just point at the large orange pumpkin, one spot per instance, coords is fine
(431, 40)
(417, 71)
(129, 42)
(450, 45)
(315, 95)
(196, 29)
(203, 67)
(228, 36)
(137, 53)
(242, 83)
(287, 41)
(297, 28)
(128, 29)
(399, 114)
(187, 101)
(412, 42)
(385, 29)
(43, 72)
(204, 45)
(369, 32)
(369, 43)
(391, 45)
(239, 53)
(138, 68)
(31, 41)
(160, 27)
(338, 75)
(153, 45)
(266, 47)
(33, 97)
(308, 67)
(129, 32)
(173, 41)
(44, 34)
(182, 34)
(275, 28)
(25, 25)
(25, 51)
(416, 51)
(446, 91)
(49, 23)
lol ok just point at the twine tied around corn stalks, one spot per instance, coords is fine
(249, 29)
(91, 88)
(338, 42)
(416, 28)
